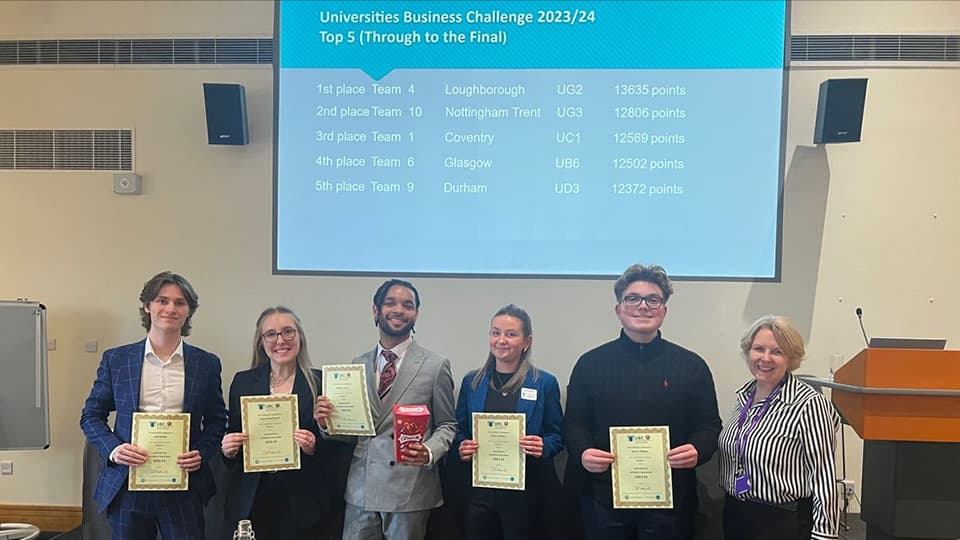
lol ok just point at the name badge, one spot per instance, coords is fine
(741, 484)
(528, 393)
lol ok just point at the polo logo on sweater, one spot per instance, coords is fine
(666, 384)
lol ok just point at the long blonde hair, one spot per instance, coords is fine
(303, 357)
(489, 366)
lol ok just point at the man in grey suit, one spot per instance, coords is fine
(386, 499)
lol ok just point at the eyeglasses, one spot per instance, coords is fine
(634, 300)
(288, 334)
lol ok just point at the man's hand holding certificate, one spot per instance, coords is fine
(641, 472)
(269, 423)
(346, 387)
(164, 437)
(498, 461)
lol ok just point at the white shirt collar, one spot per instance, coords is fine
(400, 350)
(148, 351)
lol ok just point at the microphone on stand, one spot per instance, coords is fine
(862, 331)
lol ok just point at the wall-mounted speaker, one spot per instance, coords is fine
(226, 106)
(840, 111)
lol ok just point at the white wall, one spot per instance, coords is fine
(859, 225)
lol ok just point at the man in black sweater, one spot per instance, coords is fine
(639, 379)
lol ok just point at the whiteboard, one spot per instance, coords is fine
(24, 407)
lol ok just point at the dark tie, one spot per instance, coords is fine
(389, 372)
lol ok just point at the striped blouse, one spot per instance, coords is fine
(789, 454)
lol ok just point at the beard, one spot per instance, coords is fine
(385, 327)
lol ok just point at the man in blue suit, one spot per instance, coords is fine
(160, 374)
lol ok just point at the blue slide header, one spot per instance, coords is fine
(379, 37)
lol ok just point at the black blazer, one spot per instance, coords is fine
(316, 490)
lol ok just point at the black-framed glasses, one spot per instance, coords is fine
(270, 336)
(653, 301)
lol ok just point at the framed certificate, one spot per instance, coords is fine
(346, 386)
(640, 472)
(164, 436)
(499, 463)
(269, 422)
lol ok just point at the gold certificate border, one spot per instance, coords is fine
(664, 431)
(246, 401)
(365, 395)
(184, 483)
(521, 483)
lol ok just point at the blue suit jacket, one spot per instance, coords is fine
(544, 414)
(117, 388)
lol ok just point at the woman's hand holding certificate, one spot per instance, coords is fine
(269, 423)
(499, 461)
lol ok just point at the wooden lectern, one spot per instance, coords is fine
(905, 404)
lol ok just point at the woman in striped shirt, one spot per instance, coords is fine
(777, 448)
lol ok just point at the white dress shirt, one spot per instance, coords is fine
(161, 384)
(162, 381)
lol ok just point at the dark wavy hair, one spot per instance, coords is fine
(152, 288)
(380, 296)
(651, 274)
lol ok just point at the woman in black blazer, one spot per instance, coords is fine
(295, 504)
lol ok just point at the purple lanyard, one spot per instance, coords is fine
(741, 440)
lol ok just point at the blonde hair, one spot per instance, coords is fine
(489, 366)
(303, 357)
(786, 334)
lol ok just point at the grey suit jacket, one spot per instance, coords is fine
(377, 483)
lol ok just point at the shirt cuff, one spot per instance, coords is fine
(429, 464)
(113, 454)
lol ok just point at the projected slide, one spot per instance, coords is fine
(559, 139)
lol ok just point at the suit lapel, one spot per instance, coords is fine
(190, 370)
(300, 389)
(261, 381)
(478, 396)
(369, 361)
(409, 368)
(526, 406)
(135, 365)
(299, 384)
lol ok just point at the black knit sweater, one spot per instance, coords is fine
(624, 383)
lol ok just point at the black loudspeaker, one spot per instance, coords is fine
(226, 106)
(840, 111)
